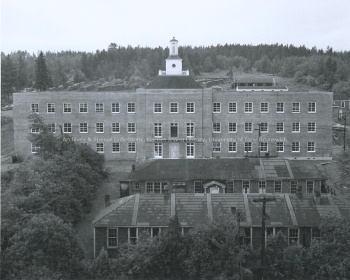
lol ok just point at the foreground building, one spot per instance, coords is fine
(297, 216)
(174, 117)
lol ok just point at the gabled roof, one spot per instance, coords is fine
(173, 82)
(289, 210)
(226, 169)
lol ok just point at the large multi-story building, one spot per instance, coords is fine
(174, 117)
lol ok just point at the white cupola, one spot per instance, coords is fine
(173, 64)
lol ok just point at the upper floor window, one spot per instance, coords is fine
(35, 149)
(248, 127)
(232, 127)
(100, 148)
(51, 127)
(158, 130)
(99, 128)
(311, 146)
(158, 150)
(264, 107)
(99, 107)
(216, 147)
(190, 107)
(67, 128)
(232, 107)
(248, 107)
(174, 107)
(83, 128)
(280, 107)
(248, 147)
(263, 127)
(296, 107)
(280, 127)
(83, 108)
(115, 128)
(190, 129)
(216, 107)
(311, 127)
(263, 147)
(131, 127)
(296, 127)
(295, 146)
(51, 108)
(216, 127)
(190, 150)
(232, 147)
(115, 108)
(116, 147)
(34, 107)
(157, 107)
(312, 107)
(131, 107)
(67, 108)
(280, 146)
(132, 147)
(174, 130)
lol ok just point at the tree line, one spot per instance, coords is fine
(136, 66)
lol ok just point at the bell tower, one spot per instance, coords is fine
(173, 64)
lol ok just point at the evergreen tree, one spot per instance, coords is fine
(22, 77)
(42, 75)
(8, 77)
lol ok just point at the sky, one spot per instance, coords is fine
(90, 25)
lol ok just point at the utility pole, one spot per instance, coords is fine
(263, 199)
(259, 124)
(344, 132)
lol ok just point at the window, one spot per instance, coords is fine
(280, 107)
(198, 187)
(262, 186)
(131, 107)
(232, 147)
(264, 107)
(293, 236)
(67, 108)
(216, 127)
(99, 107)
(35, 149)
(229, 187)
(248, 127)
(248, 147)
(315, 234)
(132, 232)
(174, 130)
(216, 147)
(174, 107)
(311, 127)
(278, 186)
(312, 107)
(115, 127)
(296, 107)
(263, 127)
(263, 147)
(157, 130)
(293, 186)
(115, 147)
(99, 128)
(245, 186)
(112, 238)
(248, 107)
(216, 107)
(157, 107)
(309, 186)
(311, 146)
(136, 186)
(131, 127)
(132, 147)
(158, 150)
(295, 146)
(67, 128)
(34, 107)
(190, 129)
(155, 231)
(34, 129)
(245, 236)
(115, 108)
(83, 128)
(83, 108)
(232, 107)
(190, 150)
(296, 127)
(100, 148)
(280, 127)
(156, 187)
(189, 107)
(51, 108)
(51, 127)
(342, 104)
(232, 127)
(280, 147)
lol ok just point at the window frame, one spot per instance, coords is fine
(116, 147)
(278, 127)
(99, 108)
(294, 108)
(278, 146)
(311, 147)
(99, 127)
(190, 130)
(34, 108)
(190, 150)
(311, 109)
(311, 127)
(131, 127)
(171, 107)
(232, 147)
(248, 107)
(295, 144)
(83, 108)
(158, 150)
(231, 106)
(109, 238)
(277, 186)
(280, 107)
(115, 127)
(157, 107)
(296, 127)
(131, 107)
(216, 107)
(248, 145)
(217, 127)
(115, 107)
(100, 147)
(157, 129)
(264, 110)
(67, 108)
(132, 147)
(248, 127)
(190, 107)
(67, 127)
(51, 108)
(216, 146)
(82, 127)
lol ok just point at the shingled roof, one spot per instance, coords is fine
(156, 209)
(173, 82)
(226, 169)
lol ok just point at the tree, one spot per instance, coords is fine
(8, 77)
(22, 77)
(42, 75)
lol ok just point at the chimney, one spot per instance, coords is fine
(107, 200)
(133, 167)
(317, 197)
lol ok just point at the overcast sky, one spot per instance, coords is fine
(90, 25)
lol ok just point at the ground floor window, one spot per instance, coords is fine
(315, 234)
(229, 187)
(155, 187)
(132, 235)
(245, 236)
(112, 238)
(248, 147)
(35, 149)
(262, 186)
(293, 236)
(189, 150)
(245, 186)
(293, 186)
(198, 187)
(278, 186)
(100, 147)
(115, 147)
(158, 150)
(132, 147)
(309, 186)
(232, 147)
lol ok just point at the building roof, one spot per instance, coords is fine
(173, 82)
(253, 79)
(289, 210)
(226, 169)
(262, 87)
(173, 40)
(174, 57)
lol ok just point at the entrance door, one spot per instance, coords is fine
(174, 150)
